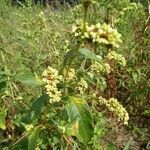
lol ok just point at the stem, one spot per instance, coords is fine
(85, 18)
(65, 82)
(76, 50)
(85, 5)
(25, 134)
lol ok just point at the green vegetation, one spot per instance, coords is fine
(75, 77)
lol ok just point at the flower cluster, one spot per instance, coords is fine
(81, 86)
(102, 34)
(77, 9)
(113, 37)
(42, 21)
(117, 57)
(66, 46)
(52, 78)
(71, 74)
(97, 67)
(77, 29)
(114, 106)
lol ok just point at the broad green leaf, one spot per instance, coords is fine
(37, 105)
(3, 114)
(80, 119)
(70, 131)
(36, 109)
(29, 79)
(33, 137)
(89, 54)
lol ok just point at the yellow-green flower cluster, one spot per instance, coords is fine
(114, 106)
(90, 74)
(66, 45)
(42, 20)
(81, 86)
(52, 78)
(71, 74)
(56, 36)
(77, 29)
(117, 57)
(97, 67)
(102, 34)
(114, 38)
(77, 9)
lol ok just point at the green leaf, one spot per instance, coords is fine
(36, 109)
(33, 138)
(3, 85)
(146, 113)
(102, 83)
(110, 147)
(80, 118)
(29, 79)
(89, 54)
(37, 105)
(3, 113)
(135, 77)
(83, 73)
(3, 82)
(7, 73)
(68, 57)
